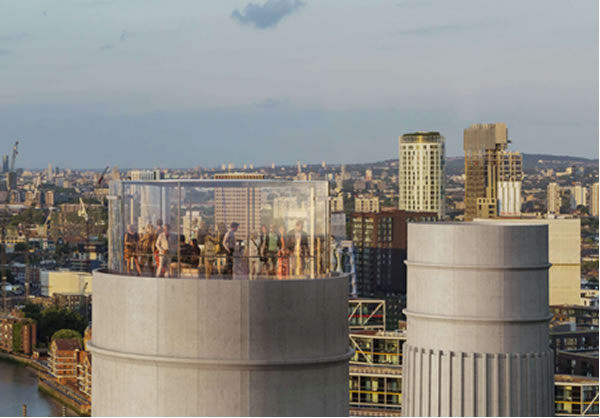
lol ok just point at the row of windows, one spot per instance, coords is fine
(375, 384)
(420, 191)
(422, 146)
(419, 161)
(378, 399)
(419, 167)
(404, 154)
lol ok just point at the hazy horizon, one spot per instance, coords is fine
(291, 164)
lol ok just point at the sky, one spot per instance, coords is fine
(186, 83)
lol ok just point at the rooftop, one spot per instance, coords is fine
(422, 137)
(67, 344)
(423, 133)
(568, 378)
(379, 333)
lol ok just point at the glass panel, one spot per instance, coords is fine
(229, 228)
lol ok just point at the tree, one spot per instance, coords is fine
(17, 338)
(10, 278)
(54, 319)
(66, 333)
(28, 216)
(32, 311)
(589, 266)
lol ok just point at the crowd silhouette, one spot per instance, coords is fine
(217, 251)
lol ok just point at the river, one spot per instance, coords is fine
(18, 386)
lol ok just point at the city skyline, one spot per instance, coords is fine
(273, 79)
(218, 167)
(299, 208)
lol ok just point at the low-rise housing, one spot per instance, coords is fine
(17, 335)
(63, 359)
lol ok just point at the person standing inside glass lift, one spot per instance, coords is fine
(201, 234)
(157, 232)
(210, 251)
(262, 239)
(146, 247)
(165, 247)
(195, 254)
(270, 249)
(229, 247)
(219, 235)
(130, 244)
(298, 247)
(185, 253)
(253, 254)
(283, 259)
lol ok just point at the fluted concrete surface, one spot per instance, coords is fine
(477, 319)
(189, 347)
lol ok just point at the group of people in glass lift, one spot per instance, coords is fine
(270, 251)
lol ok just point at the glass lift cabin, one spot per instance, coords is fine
(220, 229)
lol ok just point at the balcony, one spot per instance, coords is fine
(232, 228)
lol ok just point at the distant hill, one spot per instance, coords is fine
(558, 160)
(530, 161)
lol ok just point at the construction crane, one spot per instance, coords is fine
(24, 230)
(82, 212)
(47, 222)
(102, 176)
(36, 190)
(4, 220)
(14, 156)
(10, 176)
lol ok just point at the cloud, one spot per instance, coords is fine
(267, 15)
(105, 47)
(270, 102)
(100, 2)
(124, 36)
(8, 37)
(5, 52)
(430, 30)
